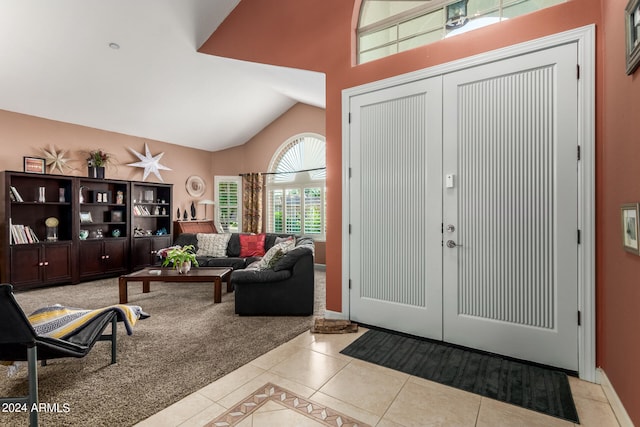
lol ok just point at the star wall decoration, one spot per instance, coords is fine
(55, 159)
(149, 163)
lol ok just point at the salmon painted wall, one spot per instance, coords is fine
(319, 35)
(618, 272)
(256, 154)
(24, 135)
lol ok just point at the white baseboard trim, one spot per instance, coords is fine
(614, 400)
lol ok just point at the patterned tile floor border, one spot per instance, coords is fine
(273, 393)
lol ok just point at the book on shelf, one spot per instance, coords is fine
(23, 234)
(34, 236)
(14, 192)
(141, 210)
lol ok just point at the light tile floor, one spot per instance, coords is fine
(311, 367)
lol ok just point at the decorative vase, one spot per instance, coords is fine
(185, 216)
(178, 213)
(96, 172)
(193, 211)
(184, 267)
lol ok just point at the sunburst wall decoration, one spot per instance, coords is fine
(149, 163)
(56, 159)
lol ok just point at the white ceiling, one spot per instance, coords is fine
(56, 63)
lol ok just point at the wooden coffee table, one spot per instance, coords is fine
(157, 274)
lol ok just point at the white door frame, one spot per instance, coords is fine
(584, 37)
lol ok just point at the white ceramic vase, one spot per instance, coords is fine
(184, 267)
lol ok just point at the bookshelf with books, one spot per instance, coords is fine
(65, 229)
(38, 231)
(151, 224)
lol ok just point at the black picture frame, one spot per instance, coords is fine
(116, 216)
(34, 164)
(632, 33)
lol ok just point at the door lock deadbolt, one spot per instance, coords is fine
(452, 244)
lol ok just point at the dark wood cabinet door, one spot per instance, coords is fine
(57, 262)
(91, 262)
(141, 252)
(160, 242)
(115, 253)
(26, 270)
(145, 250)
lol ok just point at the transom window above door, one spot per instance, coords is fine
(386, 27)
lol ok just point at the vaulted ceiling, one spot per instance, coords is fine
(132, 67)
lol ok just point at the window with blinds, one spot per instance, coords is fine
(296, 200)
(228, 196)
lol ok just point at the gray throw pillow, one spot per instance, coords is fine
(214, 245)
(283, 247)
(291, 258)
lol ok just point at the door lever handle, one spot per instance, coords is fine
(452, 244)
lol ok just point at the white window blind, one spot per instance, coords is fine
(228, 196)
(293, 211)
(313, 210)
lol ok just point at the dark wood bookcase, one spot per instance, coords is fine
(30, 256)
(99, 233)
(103, 221)
(151, 225)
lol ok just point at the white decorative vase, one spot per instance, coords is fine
(184, 267)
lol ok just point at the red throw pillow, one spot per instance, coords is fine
(252, 245)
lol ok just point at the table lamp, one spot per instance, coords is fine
(206, 202)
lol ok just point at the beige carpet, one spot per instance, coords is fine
(187, 343)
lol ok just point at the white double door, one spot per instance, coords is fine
(463, 207)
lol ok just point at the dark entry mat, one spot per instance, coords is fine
(530, 386)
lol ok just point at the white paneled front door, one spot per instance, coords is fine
(395, 185)
(510, 261)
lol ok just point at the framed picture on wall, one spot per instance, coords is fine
(34, 164)
(629, 216)
(632, 29)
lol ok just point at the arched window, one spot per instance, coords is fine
(296, 187)
(386, 27)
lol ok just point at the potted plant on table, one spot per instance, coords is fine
(181, 258)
